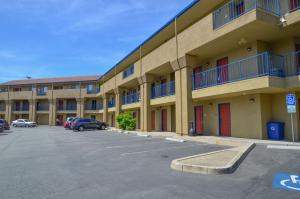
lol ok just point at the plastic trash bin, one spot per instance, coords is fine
(275, 130)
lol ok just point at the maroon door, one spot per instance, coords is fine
(222, 65)
(60, 119)
(152, 120)
(113, 120)
(298, 56)
(224, 120)
(199, 120)
(294, 4)
(17, 106)
(60, 105)
(240, 8)
(163, 87)
(164, 120)
(198, 77)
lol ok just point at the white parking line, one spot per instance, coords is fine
(154, 150)
(283, 147)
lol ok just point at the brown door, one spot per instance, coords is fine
(163, 87)
(113, 120)
(153, 120)
(199, 120)
(164, 120)
(224, 120)
(298, 56)
(222, 65)
(60, 119)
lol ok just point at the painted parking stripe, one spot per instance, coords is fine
(283, 147)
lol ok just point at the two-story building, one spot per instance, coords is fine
(220, 67)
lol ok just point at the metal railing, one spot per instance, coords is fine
(2, 108)
(251, 67)
(41, 93)
(111, 103)
(236, 8)
(25, 108)
(94, 107)
(132, 98)
(44, 107)
(163, 90)
(94, 90)
(292, 64)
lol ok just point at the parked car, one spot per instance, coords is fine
(1, 128)
(67, 124)
(5, 124)
(82, 124)
(23, 123)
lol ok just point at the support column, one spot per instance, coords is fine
(183, 68)
(105, 108)
(8, 107)
(145, 84)
(80, 107)
(52, 112)
(118, 93)
(32, 110)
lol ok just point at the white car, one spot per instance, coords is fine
(23, 123)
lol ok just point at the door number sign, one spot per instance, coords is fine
(286, 181)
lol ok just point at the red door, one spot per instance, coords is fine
(298, 56)
(294, 4)
(198, 77)
(153, 120)
(199, 120)
(222, 65)
(224, 120)
(164, 120)
(163, 87)
(60, 119)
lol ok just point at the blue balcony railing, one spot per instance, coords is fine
(132, 98)
(236, 8)
(71, 107)
(111, 103)
(251, 67)
(292, 64)
(93, 90)
(94, 107)
(163, 90)
(41, 93)
(24, 108)
(2, 108)
(44, 107)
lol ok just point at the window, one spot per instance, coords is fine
(129, 71)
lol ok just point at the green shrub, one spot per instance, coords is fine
(126, 121)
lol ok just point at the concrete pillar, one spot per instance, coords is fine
(8, 109)
(118, 93)
(105, 108)
(145, 84)
(80, 107)
(32, 110)
(183, 68)
(52, 112)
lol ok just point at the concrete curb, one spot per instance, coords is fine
(203, 169)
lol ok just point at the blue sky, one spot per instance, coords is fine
(52, 38)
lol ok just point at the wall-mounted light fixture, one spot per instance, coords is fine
(252, 100)
(249, 49)
(210, 104)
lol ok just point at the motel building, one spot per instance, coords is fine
(221, 67)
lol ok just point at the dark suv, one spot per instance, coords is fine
(82, 124)
(5, 124)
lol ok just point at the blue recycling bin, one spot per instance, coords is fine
(275, 130)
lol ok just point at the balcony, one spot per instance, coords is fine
(292, 64)
(42, 107)
(292, 5)
(92, 90)
(265, 64)
(163, 90)
(2, 108)
(132, 98)
(94, 107)
(41, 94)
(236, 8)
(21, 109)
(111, 104)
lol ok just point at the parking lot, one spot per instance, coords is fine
(50, 162)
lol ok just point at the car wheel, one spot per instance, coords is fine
(102, 127)
(81, 128)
